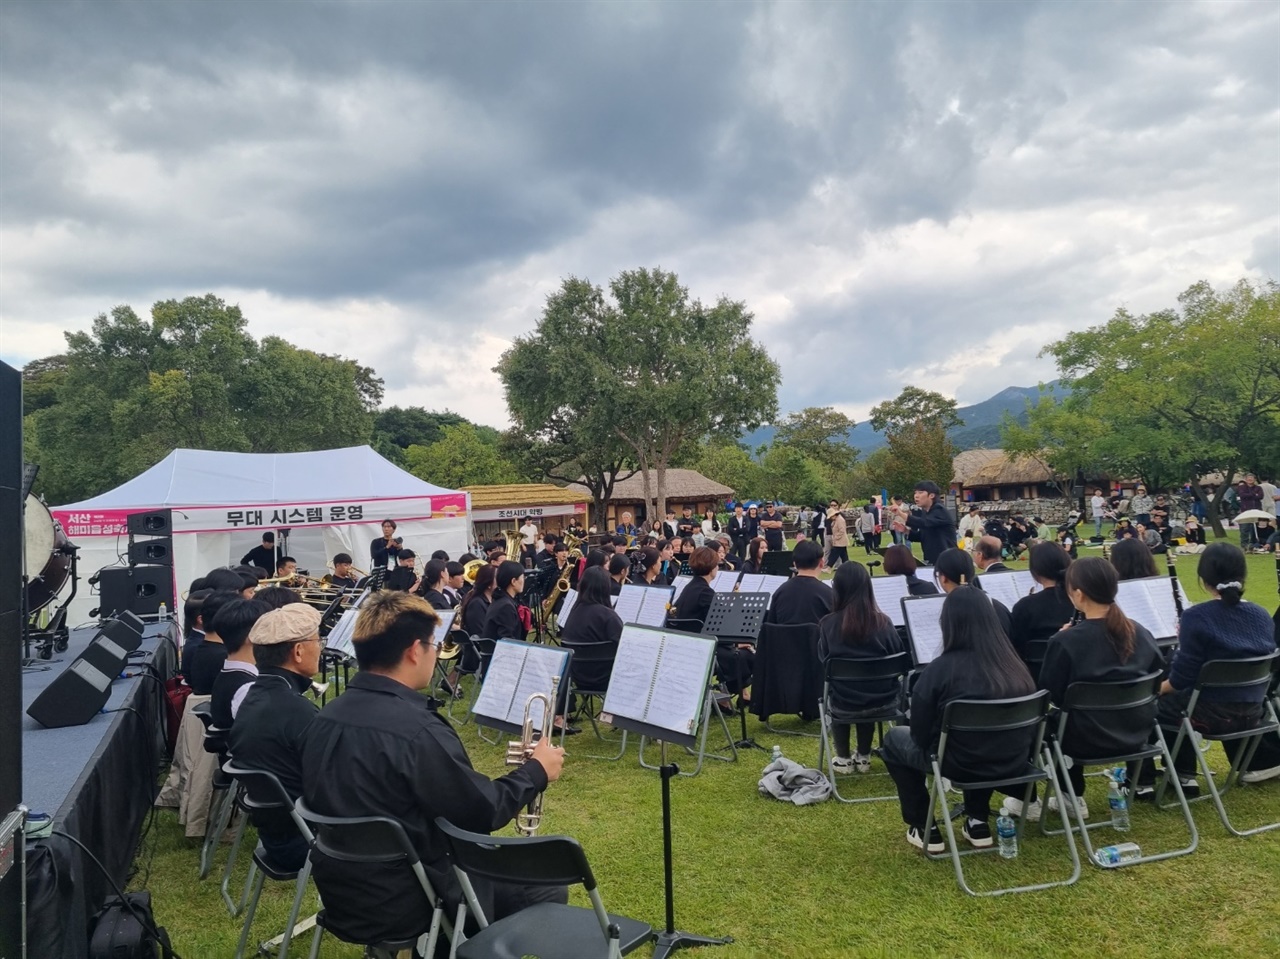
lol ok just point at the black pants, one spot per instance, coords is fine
(840, 733)
(1209, 717)
(734, 667)
(842, 552)
(739, 550)
(908, 765)
(871, 543)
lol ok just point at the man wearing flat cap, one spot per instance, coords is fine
(267, 733)
(932, 524)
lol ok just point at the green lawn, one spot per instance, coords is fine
(838, 880)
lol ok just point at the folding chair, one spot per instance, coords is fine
(484, 650)
(468, 644)
(1238, 674)
(375, 841)
(847, 673)
(543, 929)
(224, 788)
(1033, 656)
(788, 675)
(588, 659)
(976, 719)
(1110, 702)
(263, 791)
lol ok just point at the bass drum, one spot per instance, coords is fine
(48, 564)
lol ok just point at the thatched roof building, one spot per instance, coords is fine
(995, 475)
(682, 488)
(548, 506)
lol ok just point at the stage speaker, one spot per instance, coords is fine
(152, 552)
(156, 523)
(83, 688)
(135, 589)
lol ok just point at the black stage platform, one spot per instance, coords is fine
(97, 781)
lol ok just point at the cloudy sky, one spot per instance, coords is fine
(902, 193)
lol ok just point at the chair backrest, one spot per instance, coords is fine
(796, 634)
(535, 860)
(263, 791)
(595, 652)
(484, 649)
(1113, 696)
(995, 715)
(685, 625)
(372, 839)
(1237, 673)
(203, 712)
(847, 669)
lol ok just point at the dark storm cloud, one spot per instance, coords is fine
(443, 165)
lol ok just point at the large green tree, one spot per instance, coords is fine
(129, 391)
(915, 425)
(1174, 394)
(461, 457)
(637, 376)
(729, 463)
(821, 433)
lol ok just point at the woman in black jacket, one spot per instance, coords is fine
(432, 581)
(954, 567)
(856, 629)
(977, 662)
(1036, 618)
(900, 561)
(1105, 646)
(592, 620)
(734, 663)
(503, 619)
(755, 556)
(475, 605)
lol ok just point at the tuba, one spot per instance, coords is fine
(519, 751)
(472, 570)
(515, 544)
(562, 584)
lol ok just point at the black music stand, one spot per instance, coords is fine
(738, 618)
(777, 562)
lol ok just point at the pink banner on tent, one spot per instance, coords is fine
(98, 522)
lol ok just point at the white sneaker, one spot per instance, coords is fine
(1032, 812)
(1260, 775)
(1082, 809)
(842, 765)
(861, 763)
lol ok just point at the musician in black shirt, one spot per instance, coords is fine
(932, 525)
(954, 567)
(734, 662)
(204, 660)
(619, 570)
(264, 556)
(341, 577)
(1038, 617)
(380, 749)
(233, 624)
(592, 620)
(900, 561)
(503, 618)
(804, 598)
(403, 578)
(755, 555)
(432, 585)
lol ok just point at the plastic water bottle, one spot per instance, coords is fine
(777, 753)
(1007, 834)
(1117, 854)
(1117, 799)
(163, 614)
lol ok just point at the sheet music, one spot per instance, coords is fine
(1149, 601)
(541, 664)
(500, 679)
(628, 604)
(725, 580)
(751, 583)
(678, 585)
(516, 672)
(769, 584)
(653, 608)
(570, 599)
(447, 617)
(340, 637)
(889, 591)
(923, 615)
(1002, 587)
(632, 675)
(680, 684)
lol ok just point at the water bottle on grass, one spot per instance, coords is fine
(1120, 853)
(777, 753)
(1118, 799)
(1007, 833)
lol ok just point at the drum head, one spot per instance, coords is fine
(39, 536)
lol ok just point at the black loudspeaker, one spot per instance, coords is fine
(152, 552)
(156, 523)
(83, 688)
(135, 589)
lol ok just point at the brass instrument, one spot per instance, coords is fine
(562, 584)
(295, 581)
(519, 751)
(515, 544)
(327, 578)
(472, 570)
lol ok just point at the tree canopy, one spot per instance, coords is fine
(915, 425)
(461, 457)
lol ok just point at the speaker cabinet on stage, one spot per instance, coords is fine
(135, 589)
(152, 552)
(156, 523)
(84, 687)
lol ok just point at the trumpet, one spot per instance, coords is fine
(519, 751)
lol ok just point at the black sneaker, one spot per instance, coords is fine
(978, 832)
(915, 836)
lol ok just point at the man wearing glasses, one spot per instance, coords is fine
(267, 733)
(381, 749)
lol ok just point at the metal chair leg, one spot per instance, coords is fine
(248, 915)
(234, 907)
(219, 815)
(300, 890)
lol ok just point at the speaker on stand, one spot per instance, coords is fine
(147, 582)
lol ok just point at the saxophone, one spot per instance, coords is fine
(562, 584)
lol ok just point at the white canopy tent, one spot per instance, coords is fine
(344, 493)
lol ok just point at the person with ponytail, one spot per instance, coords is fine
(1225, 627)
(977, 662)
(954, 567)
(1037, 617)
(1105, 646)
(857, 629)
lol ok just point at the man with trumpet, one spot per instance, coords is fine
(380, 749)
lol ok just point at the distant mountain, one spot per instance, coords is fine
(981, 427)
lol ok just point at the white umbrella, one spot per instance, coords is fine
(1253, 516)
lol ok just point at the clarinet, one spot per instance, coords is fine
(1171, 557)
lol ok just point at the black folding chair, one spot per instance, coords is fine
(1110, 703)
(1239, 674)
(484, 650)
(376, 841)
(1033, 655)
(263, 792)
(788, 675)
(970, 720)
(543, 929)
(467, 652)
(843, 673)
(224, 788)
(586, 663)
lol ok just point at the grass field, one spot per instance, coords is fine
(835, 879)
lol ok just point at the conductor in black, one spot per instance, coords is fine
(380, 749)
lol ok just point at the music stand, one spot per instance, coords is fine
(670, 939)
(777, 563)
(738, 618)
